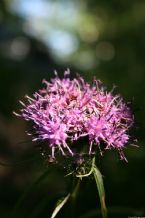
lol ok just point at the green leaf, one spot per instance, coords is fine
(101, 191)
(59, 205)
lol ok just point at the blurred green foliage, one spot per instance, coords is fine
(101, 38)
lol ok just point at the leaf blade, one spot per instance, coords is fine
(101, 191)
(60, 204)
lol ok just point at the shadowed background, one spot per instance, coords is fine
(101, 38)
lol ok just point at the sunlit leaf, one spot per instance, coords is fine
(101, 191)
(59, 205)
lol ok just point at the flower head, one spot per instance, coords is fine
(66, 110)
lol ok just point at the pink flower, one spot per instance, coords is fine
(66, 110)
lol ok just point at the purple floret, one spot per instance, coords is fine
(66, 110)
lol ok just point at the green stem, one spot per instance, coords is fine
(75, 191)
(101, 191)
(99, 182)
(64, 200)
(74, 196)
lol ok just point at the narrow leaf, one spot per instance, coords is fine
(59, 205)
(101, 191)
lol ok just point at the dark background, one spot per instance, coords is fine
(102, 38)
